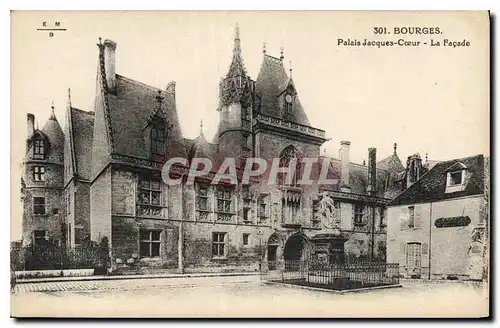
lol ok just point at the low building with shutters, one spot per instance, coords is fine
(437, 228)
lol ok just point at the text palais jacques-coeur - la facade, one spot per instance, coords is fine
(102, 178)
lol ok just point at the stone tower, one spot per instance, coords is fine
(42, 182)
(236, 102)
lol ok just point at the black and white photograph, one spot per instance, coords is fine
(250, 164)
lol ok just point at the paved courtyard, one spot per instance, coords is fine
(240, 297)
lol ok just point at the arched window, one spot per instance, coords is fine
(287, 156)
(39, 149)
(158, 138)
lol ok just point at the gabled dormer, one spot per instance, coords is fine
(155, 136)
(456, 177)
(155, 131)
(287, 99)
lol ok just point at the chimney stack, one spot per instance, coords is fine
(109, 64)
(413, 168)
(31, 125)
(345, 159)
(372, 171)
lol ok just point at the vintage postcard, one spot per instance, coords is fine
(250, 164)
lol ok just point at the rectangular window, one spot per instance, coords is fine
(202, 198)
(411, 217)
(455, 178)
(39, 173)
(157, 141)
(245, 214)
(246, 237)
(263, 206)
(223, 200)
(359, 213)
(150, 243)
(40, 236)
(218, 244)
(149, 196)
(39, 205)
(39, 149)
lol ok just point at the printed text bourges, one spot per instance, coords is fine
(405, 37)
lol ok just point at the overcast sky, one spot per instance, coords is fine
(428, 100)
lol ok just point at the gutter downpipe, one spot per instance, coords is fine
(430, 240)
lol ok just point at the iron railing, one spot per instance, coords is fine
(57, 258)
(333, 276)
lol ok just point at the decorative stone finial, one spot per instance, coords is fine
(281, 52)
(237, 31)
(395, 148)
(290, 69)
(264, 48)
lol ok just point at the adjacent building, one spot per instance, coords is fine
(437, 228)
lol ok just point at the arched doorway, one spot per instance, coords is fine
(297, 248)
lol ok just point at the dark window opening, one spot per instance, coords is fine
(39, 149)
(456, 178)
(359, 214)
(39, 173)
(157, 139)
(150, 243)
(149, 195)
(246, 237)
(202, 198)
(40, 236)
(218, 244)
(245, 214)
(39, 205)
(223, 200)
(411, 217)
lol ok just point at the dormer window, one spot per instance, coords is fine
(39, 149)
(157, 139)
(456, 178)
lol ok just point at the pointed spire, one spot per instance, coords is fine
(237, 68)
(281, 53)
(395, 148)
(52, 115)
(69, 97)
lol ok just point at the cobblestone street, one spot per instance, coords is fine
(240, 297)
(132, 284)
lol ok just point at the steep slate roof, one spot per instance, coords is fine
(130, 108)
(271, 82)
(432, 185)
(52, 130)
(358, 176)
(391, 163)
(82, 127)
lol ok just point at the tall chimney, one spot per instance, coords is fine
(413, 168)
(372, 171)
(109, 64)
(345, 159)
(31, 125)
